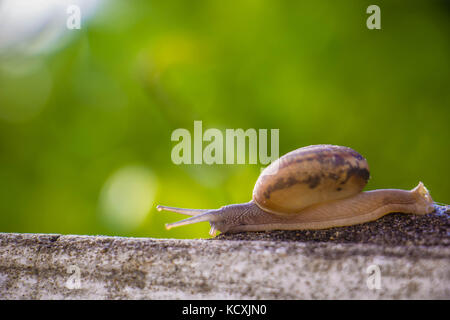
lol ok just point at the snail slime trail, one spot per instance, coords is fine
(314, 187)
(216, 152)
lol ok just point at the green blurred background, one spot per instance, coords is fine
(86, 118)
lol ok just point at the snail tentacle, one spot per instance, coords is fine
(207, 215)
(188, 212)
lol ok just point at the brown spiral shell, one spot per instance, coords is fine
(308, 176)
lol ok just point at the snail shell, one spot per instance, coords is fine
(310, 175)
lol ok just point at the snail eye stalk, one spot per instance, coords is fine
(197, 215)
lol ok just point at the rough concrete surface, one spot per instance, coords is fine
(42, 266)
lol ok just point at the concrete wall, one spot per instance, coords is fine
(39, 266)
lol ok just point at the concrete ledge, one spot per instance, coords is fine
(38, 266)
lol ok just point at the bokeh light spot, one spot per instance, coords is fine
(127, 197)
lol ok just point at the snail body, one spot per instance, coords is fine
(314, 187)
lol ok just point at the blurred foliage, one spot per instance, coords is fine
(108, 99)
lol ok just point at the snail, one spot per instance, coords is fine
(314, 187)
